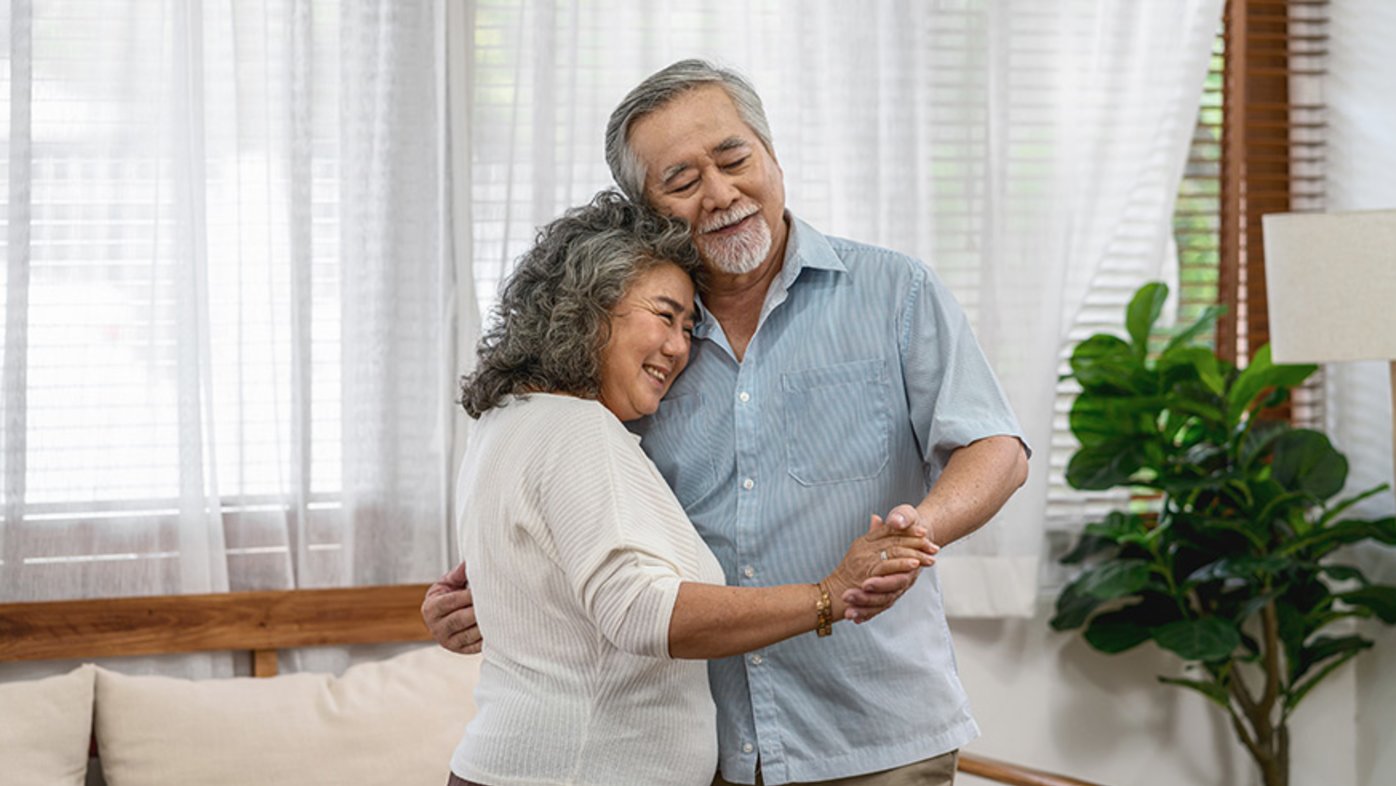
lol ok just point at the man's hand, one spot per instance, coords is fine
(449, 612)
(877, 594)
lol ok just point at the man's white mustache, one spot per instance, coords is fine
(732, 216)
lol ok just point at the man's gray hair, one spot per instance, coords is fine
(657, 91)
(554, 315)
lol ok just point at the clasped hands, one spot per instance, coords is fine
(881, 565)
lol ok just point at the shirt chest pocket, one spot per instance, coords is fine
(837, 422)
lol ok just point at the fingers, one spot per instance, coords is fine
(903, 517)
(889, 549)
(861, 606)
(881, 532)
(450, 617)
(452, 580)
(904, 545)
(467, 641)
(875, 525)
(459, 632)
(891, 583)
(441, 605)
(455, 577)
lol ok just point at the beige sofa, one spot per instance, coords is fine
(393, 721)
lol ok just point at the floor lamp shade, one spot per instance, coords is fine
(1331, 286)
(1330, 280)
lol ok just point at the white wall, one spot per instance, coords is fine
(1361, 95)
(1047, 700)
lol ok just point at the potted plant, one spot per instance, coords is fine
(1228, 557)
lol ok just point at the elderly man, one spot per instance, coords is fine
(828, 380)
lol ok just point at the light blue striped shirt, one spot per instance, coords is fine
(861, 379)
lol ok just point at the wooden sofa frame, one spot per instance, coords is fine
(262, 623)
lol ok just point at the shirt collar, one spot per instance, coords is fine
(806, 248)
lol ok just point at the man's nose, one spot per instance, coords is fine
(719, 193)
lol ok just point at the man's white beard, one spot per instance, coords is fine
(740, 253)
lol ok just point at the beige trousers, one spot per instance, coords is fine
(939, 771)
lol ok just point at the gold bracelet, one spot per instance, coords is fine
(825, 611)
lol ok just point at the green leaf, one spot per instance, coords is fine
(1073, 608)
(1119, 527)
(1116, 631)
(1105, 466)
(1099, 418)
(1204, 322)
(1344, 533)
(1298, 692)
(1214, 692)
(1207, 639)
(1104, 363)
(1087, 545)
(1322, 648)
(1114, 579)
(1142, 312)
(1306, 461)
(1344, 573)
(1253, 605)
(1246, 568)
(1379, 598)
(1205, 411)
(1182, 487)
(1337, 510)
(1210, 373)
(1262, 373)
(1259, 438)
(1292, 629)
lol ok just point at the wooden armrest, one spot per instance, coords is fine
(1013, 774)
(99, 628)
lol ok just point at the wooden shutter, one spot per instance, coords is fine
(1272, 147)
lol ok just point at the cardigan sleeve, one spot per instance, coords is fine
(612, 521)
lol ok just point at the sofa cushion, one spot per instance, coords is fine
(389, 722)
(46, 729)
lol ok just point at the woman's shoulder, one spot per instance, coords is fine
(553, 417)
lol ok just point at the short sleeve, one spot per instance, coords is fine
(952, 394)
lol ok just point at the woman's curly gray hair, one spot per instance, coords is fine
(554, 314)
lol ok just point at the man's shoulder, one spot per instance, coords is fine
(858, 256)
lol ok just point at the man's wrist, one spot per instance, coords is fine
(927, 518)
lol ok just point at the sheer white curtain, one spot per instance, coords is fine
(227, 296)
(1029, 152)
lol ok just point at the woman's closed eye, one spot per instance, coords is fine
(670, 318)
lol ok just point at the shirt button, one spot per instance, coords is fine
(748, 747)
(748, 484)
(748, 571)
(744, 396)
(757, 660)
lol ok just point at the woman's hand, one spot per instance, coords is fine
(883, 551)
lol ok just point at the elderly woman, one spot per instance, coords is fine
(594, 592)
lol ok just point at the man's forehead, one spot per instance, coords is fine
(697, 115)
